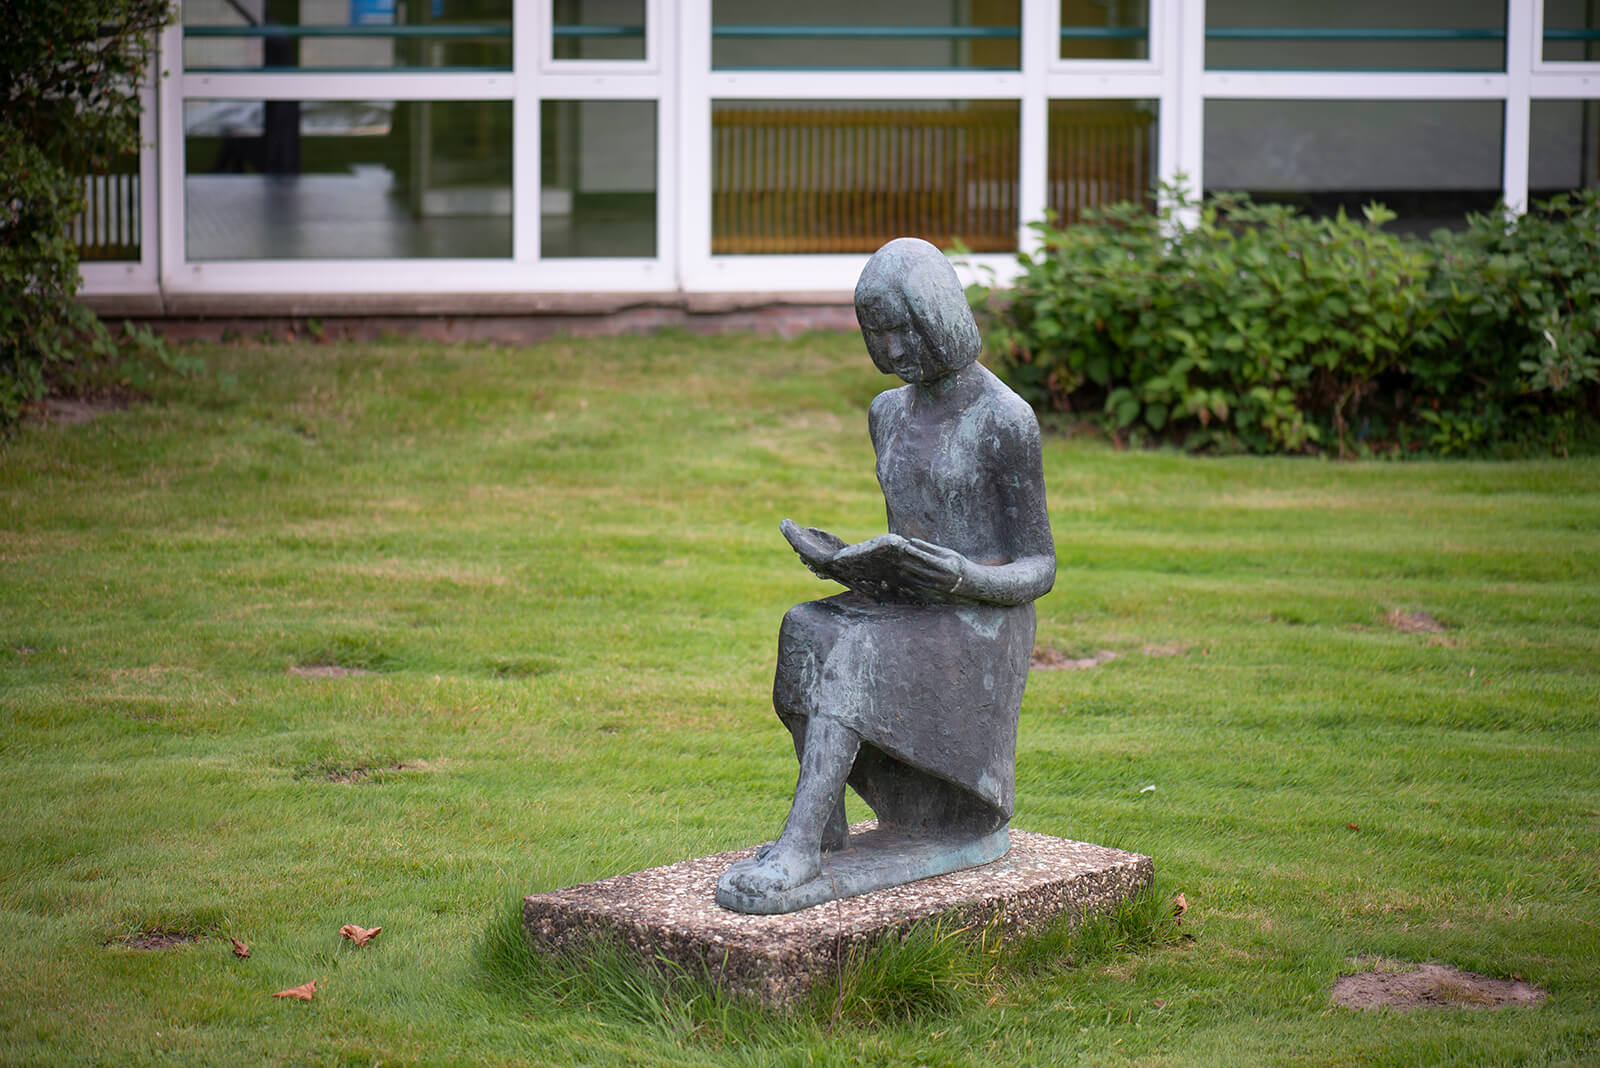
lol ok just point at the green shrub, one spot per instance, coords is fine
(1520, 351)
(1260, 329)
(68, 103)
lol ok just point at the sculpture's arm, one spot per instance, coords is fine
(948, 572)
(1028, 570)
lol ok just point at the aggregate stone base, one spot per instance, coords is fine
(671, 913)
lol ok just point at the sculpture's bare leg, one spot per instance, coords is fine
(837, 831)
(816, 818)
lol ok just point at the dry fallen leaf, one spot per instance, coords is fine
(359, 935)
(305, 991)
(1180, 905)
(1353, 826)
(239, 948)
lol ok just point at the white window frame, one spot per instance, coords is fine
(525, 86)
(546, 60)
(1156, 47)
(136, 277)
(1553, 66)
(1043, 77)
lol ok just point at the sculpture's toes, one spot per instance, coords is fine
(772, 871)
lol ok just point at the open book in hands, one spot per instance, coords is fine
(878, 567)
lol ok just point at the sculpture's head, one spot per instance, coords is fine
(913, 312)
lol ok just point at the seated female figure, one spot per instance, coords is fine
(908, 686)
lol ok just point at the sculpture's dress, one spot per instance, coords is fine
(883, 668)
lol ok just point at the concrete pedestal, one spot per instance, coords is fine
(671, 912)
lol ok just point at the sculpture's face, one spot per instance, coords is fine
(895, 345)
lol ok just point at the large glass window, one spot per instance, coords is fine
(1431, 161)
(847, 176)
(598, 29)
(341, 179)
(865, 35)
(598, 186)
(1101, 152)
(1572, 31)
(1355, 35)
(225, 35)
(1564, 147)
(1105, 29)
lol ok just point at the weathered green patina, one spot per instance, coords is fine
(907, 687)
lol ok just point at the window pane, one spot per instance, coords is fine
(598, 29)
(1564, 147)
(1431, 161)
(285, 179)
(1101, 152)
(346, 34)
(1355, 35)
(1572, 31)
(865, 35)
(1105, 29)
(108, 227)
(598, 186)
(847, 176)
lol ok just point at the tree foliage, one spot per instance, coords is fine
(69, 103)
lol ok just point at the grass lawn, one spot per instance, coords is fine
(559, 573)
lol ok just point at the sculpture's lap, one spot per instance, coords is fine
(932, 690)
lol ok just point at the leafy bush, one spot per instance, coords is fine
(1520, 352)
(68, 104)
(1261, 329)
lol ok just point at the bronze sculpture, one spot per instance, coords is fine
(907, 687)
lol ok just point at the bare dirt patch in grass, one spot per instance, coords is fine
(1400, 986)
(1413, 622)
(157, 939)
(1046, 659)
(326, 671)
(74, 410)
(365, 774)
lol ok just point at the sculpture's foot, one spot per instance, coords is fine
(874, 860)
(771, 873)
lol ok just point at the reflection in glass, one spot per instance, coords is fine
(1105, 29)
(865, 35)
(1355, 35)
(598, 178)
(1564, 147)
(847, 176)
(1572, 31)
(1102, 152)
(1431, 161)
(347, 179)
(598, 29)
(346, 34)
(108, 227)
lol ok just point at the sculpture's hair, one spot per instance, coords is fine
(908, 270)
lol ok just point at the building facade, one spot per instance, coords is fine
(306, 155)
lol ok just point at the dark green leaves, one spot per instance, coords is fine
(1258, 328)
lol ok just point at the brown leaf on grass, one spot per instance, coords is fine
(305, 991)
(359, 935)
(239, 948)
(1353, 826)
(1180, 905)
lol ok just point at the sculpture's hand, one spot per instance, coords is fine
(816, 547)
(936, 567)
